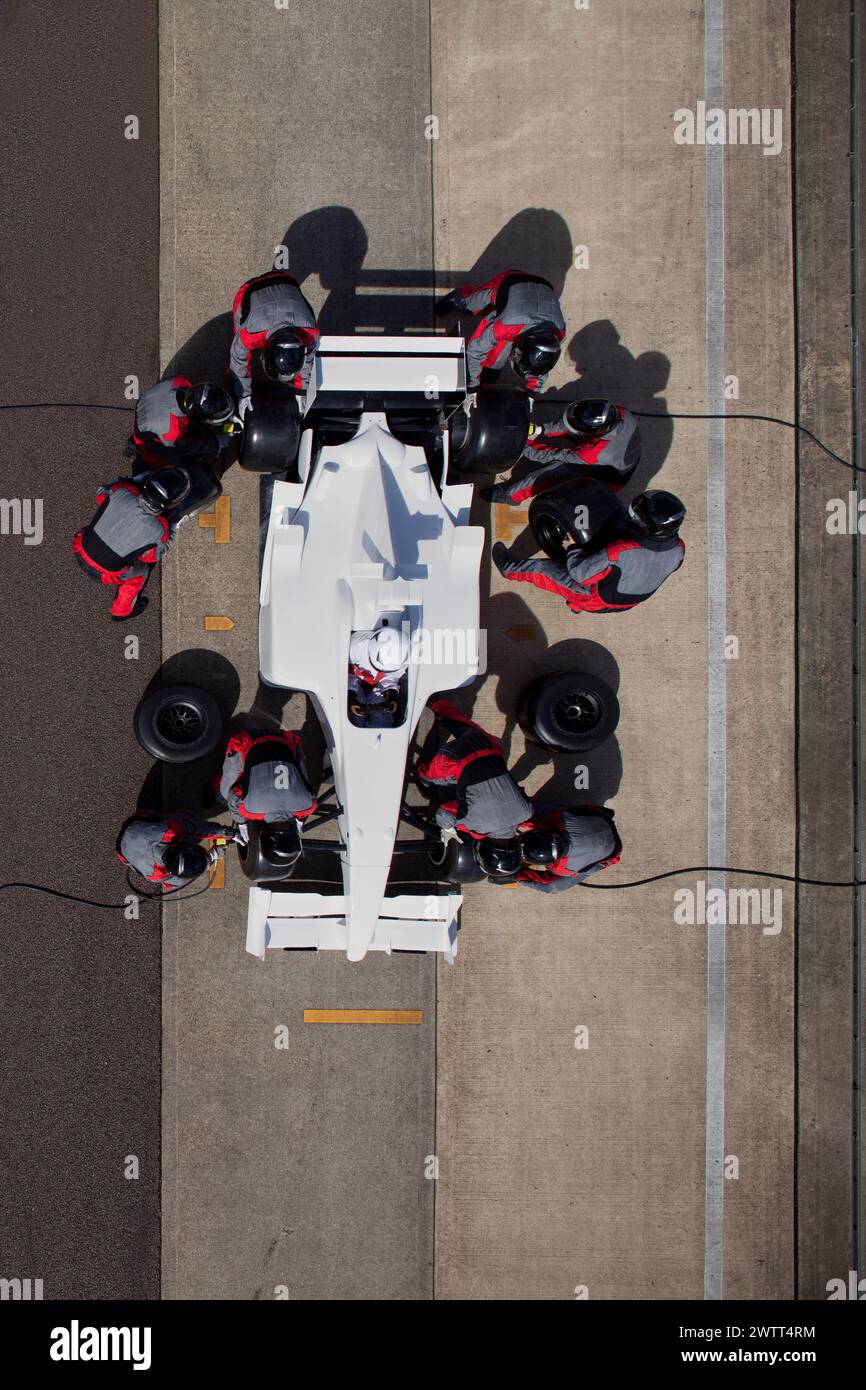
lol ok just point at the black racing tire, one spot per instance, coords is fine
(178, 723)
(569, 712)
(455, 862)
(552, 515)
(256, 865)
(493, 437)
(272, 433)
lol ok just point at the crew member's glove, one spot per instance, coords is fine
(446, 305)
(243, 406)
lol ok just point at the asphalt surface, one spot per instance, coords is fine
(79, 987)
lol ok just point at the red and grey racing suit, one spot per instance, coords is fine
(618, 576)
(263, 778)
(260, 307)
(144, 839)
(564, 457)
(122, 543)
(487, 801)
(160, 426)
(509, 304)
(593, 845)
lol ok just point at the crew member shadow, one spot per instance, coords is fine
(330, 245)
(589, 777)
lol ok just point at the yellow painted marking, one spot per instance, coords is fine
(524, 632)
(219, 878)
(363, 1015)
(218, 623)
(219, 520)
(506, 520)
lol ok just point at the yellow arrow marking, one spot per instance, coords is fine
(219, 520)
(219, 878)
(522, 633)
(363, 1015)
(218, 623)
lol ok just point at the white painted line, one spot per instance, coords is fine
(714, 87)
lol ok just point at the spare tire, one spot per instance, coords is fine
(455, 861)
(569, 712)
(178, 723)
(554, 515)
(492, 438)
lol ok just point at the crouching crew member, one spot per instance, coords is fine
(128, 536)
(486, 801)
(594, 439)
(619, 575)
(172, 849)
(521, 322)
(175, 421)
(264, 778)
(271, 316)
(559, 848)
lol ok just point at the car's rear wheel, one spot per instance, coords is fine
(569, 712)
(178, 723)
(492, 438)
(272, 433)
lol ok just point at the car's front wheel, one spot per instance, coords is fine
(455, 861)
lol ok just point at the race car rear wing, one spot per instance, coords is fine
(426, 371)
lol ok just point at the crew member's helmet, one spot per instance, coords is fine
(206, 404)
(284, 354)
(185, 860)
(498, 858)
(541, 848)
(165, 488)
(389, 650)
(536, 352)
(656, 513)
(592, 419)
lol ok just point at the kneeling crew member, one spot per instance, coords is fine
(619, 575)
(559, 848)
(487, 802)
(175, 421)
(594, 439)
(171, 849)
(271, 315)
(521, 323)
(264, 778)
(129, 535)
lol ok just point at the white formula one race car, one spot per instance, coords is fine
(370, 530)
